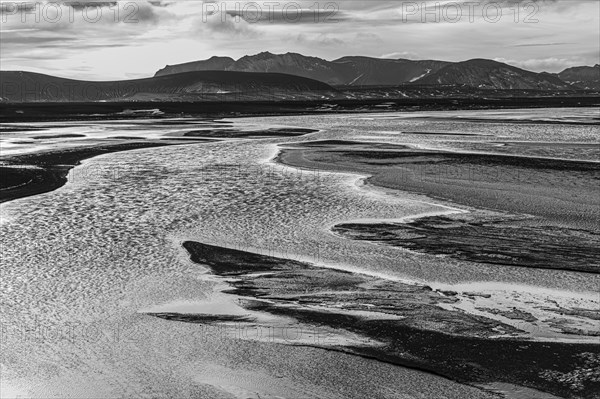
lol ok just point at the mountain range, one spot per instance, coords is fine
(366, 71)
(346, 71)
(294, 77)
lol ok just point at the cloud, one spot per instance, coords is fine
(14, 7)
(401, 54)
(82, 4)
(161, 3)
(145, 35)
(321, 39)
(549, 64)
(49, 14)
(540, 44)
(290, 15)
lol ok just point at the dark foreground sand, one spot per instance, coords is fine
(407, 319)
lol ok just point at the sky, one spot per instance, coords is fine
(98, 40)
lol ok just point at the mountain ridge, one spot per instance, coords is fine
(489, 74)
(345, 71)
(585, 77)
(22, 86)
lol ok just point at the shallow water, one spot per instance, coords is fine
(79, 263)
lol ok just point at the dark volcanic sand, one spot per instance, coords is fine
(498, 242)
(18, 112)
(448, 343)
(555, 202)
(58, 136)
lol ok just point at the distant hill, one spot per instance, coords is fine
(18, 86)
(346, 71)
(488, 74)
(584, 77)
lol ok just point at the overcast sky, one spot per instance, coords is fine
(133, 39)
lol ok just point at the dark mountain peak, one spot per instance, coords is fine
(372, 60)
(293, 64)
(216, 57)
(354, 58)
(583, 77)
(260, 56)
(214, 63)
(490, 74)
(266, 55)
(484, 63)
(589, 69)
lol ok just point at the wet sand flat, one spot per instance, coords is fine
(38, 173)
(393, 338)
(554, 201)
(560, 190)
